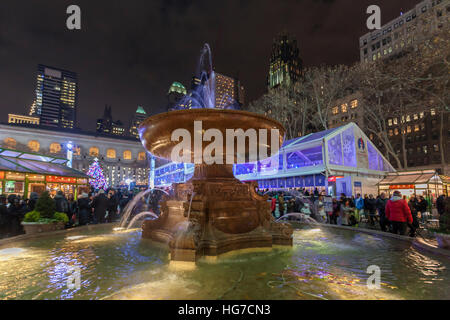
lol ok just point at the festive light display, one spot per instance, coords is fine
(98, 180)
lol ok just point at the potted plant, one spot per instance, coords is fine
(443, 232)
(44, 217)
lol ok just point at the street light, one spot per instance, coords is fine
(69, 146)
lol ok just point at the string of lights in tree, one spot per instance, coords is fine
(98, 180)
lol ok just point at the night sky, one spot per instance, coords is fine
(129, 52)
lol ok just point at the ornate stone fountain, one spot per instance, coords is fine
(213, 212)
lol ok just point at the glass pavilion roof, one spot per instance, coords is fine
(13, 160)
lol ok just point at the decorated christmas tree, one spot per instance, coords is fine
(98, 180)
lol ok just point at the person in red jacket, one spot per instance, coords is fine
(398, 213)
(273, 205)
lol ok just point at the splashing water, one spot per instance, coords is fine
(203, 93)
(131, 207)
(303, 218)
(139, 216)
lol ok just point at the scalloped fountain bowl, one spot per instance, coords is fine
(219, 213)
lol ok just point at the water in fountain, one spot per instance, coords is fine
(140, 216)
(203, 95)
(300, 217)
(139, 204)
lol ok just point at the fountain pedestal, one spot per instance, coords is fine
(215, 213)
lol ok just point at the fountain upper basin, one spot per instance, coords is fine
(156, 131)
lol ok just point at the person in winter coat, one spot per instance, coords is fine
(62, 205)
(371, 206)
(412, 204)
(381, 207)
(99, 207)
(84, 209)
(273, 205)
(336, 211)
(320, 209)
(421, 207)
(346, 211)
(398, 213)
(113, 202)
(16, 213)
(281, 204)
(440, 204)
(32, 201)
(359, 205)
(4, 217)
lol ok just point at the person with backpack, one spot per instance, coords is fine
(398, 213)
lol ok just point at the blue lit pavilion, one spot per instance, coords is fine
(339, 160)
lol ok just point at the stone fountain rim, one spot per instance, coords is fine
(210, 110)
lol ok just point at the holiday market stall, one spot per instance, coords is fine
(426, 183)
(22, 173)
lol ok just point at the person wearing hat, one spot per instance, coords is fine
(398, 213)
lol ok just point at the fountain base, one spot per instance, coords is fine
(215, 213)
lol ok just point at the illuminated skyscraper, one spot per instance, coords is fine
(138, 118)
(56, 97)
(176, 92)
(285, 62)
(228, 91)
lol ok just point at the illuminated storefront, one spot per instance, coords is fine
(22, 173)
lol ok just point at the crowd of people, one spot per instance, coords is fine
(96, 207)
(397, 215)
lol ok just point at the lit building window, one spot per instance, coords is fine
(94, 152)
(354, 103)
(344, 107)
(55, 147)
(127, 155)
(391, 133)
(433, 112)
(408, 118)
(396, 131)
(416, 116)
(141, 156)
(76, 151)
(34, 146)
(421, 115)
(335, 110)
(389, 122)
(395, 121)
(416, 127)
(10, 142)
(111, 153)
(408, 129)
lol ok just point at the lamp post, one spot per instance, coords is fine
(69, 147)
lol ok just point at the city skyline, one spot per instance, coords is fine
(138, 65)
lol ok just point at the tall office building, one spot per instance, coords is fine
(285, 62)
(228, 91)
(404, 31)
(176, 92)
(138, 118)
(56, 97)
